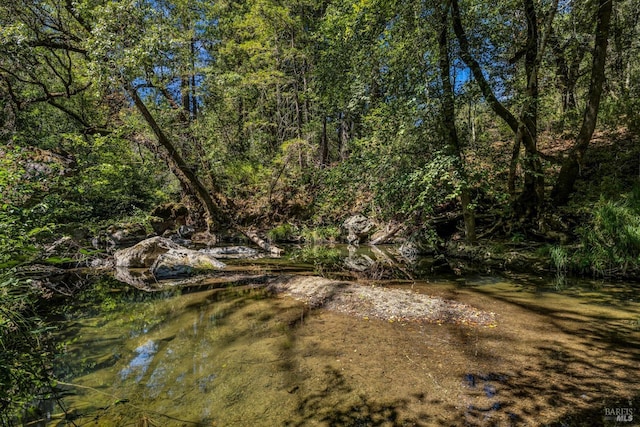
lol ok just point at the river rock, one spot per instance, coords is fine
(358, 228)
(145, 253)
(231, 252)
(186, 231)
(141, 279)
(183, 262)
(204, 238)
(126, 234)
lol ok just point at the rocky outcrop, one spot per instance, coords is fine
(145, 253)
(168, 217)
(184, 262)
(358, 228)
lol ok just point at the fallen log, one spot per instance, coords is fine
(386, 236)
(263, 244)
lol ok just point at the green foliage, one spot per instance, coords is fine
(16, 241)
(26, 350)
(610, 243)
(343, 186)
(282, 232)
(323, 258)
(560, 261)
(318, 235)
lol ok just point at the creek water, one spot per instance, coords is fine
(210, 354)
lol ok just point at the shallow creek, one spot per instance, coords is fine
(235, 356)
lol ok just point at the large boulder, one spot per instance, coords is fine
(145, 253)
(358, 228)
(184, 262)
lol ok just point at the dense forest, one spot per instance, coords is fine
(515, 121)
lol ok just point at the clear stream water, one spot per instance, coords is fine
(206, 355)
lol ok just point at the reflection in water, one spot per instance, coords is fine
(241, 357)
(141, 362)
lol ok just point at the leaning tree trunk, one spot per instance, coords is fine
(178, 166)
(215, 212)
(528, 204)
(570, 169)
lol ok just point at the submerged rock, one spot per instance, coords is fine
(184, 262)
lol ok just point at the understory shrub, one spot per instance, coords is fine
(26, 351)
(610, 243)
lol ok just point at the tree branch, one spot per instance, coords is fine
(470, 61)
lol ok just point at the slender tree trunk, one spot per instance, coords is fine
(192, 94)
(529, 203)
(513, 166)
(215, 210)
(449, 125)
(570, 169)
(476, 69)
(324, 143)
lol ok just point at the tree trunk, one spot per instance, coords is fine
(570, 169)
(529, 203)
(324, 143)
(214, 208)
(478, 75)
(450, 131)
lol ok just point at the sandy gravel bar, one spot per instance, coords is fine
(379, 302)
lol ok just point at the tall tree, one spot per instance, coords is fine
(571, 165)
(449, 123)
(528, 204)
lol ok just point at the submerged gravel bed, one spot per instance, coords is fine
(379, 302)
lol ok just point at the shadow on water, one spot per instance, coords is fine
(336, 400)
(363, 412)
(582, 362)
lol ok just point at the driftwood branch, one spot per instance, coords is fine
(263, 244)
(386, 236)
